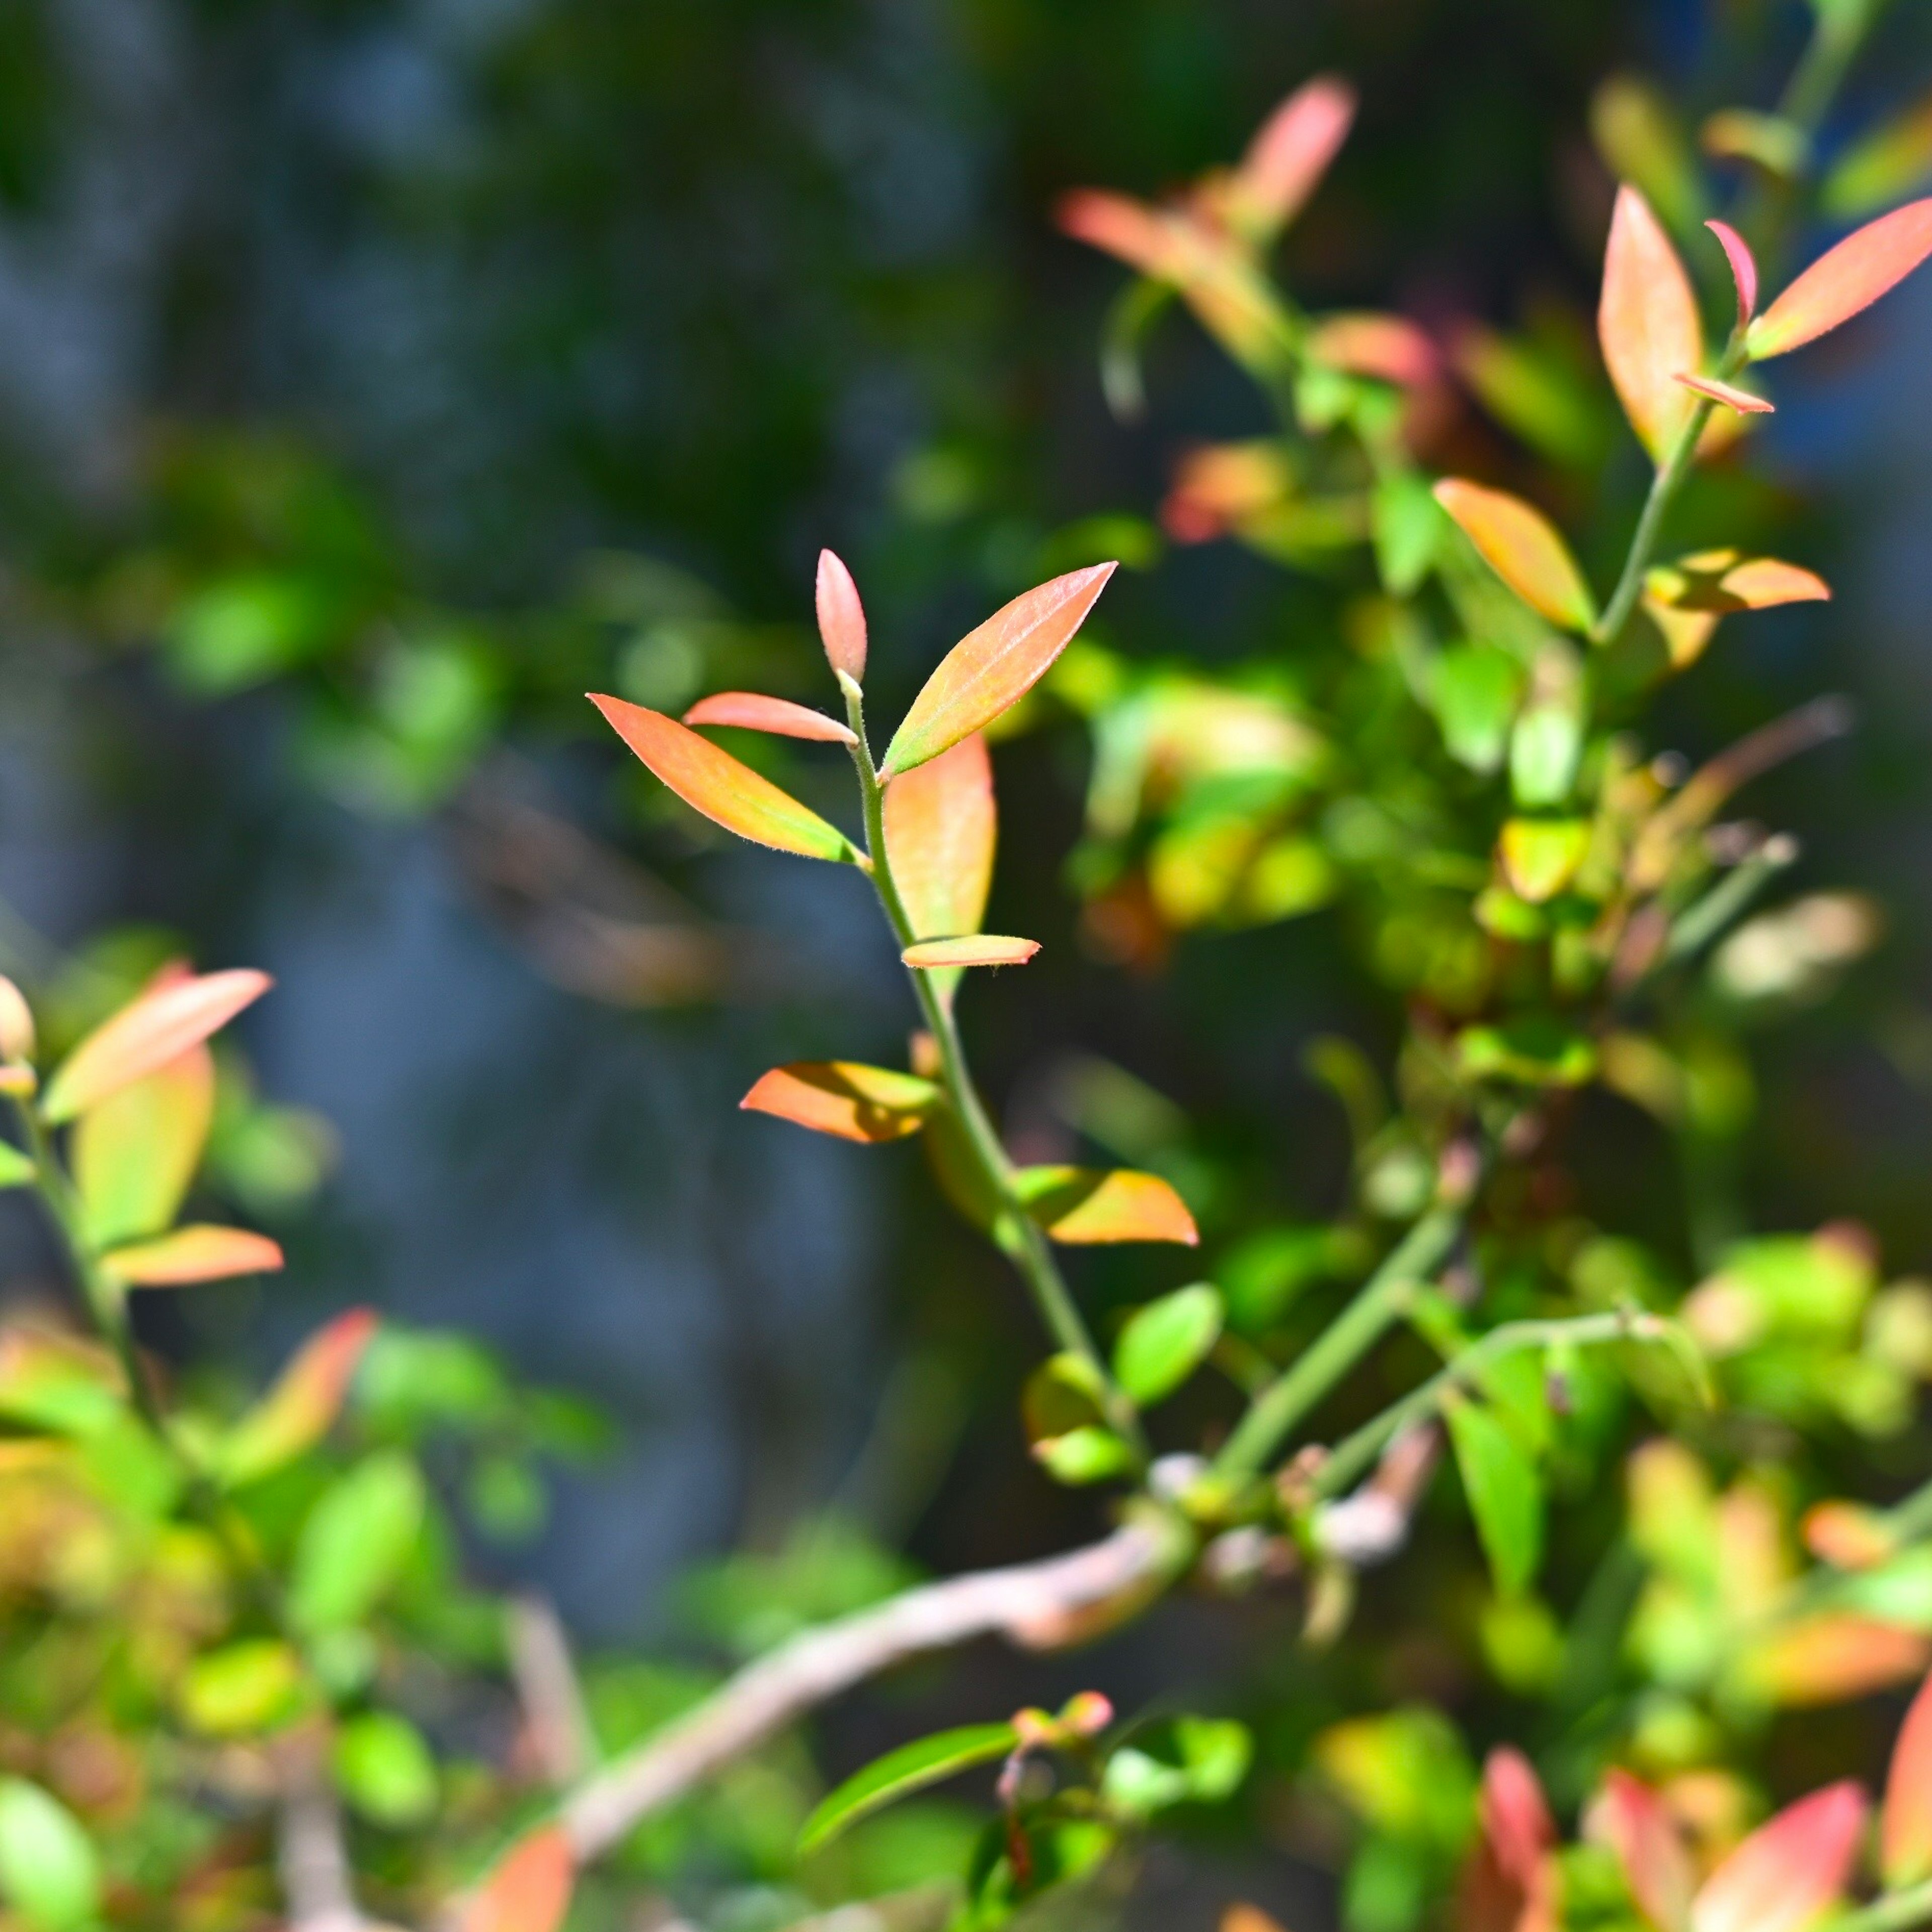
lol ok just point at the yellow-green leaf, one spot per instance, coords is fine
(135, 1153)
(1163, 1343)
(1504, 1493)
(910, 1768)
(356, 1541)
(49, 1872)
(1084, 1204)
(301, 1409)
(243, 1687)
(845, 1097)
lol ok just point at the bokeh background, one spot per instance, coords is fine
(375, 375)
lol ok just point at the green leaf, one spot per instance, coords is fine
(49, 1870)
(355, 1542)
(242, 1687)
(135, 1154)
(1544, 750)
(385, 1769)
(1083, 1456)
(15, 1169)
(911, 1767)
(1474, 690)
(1504, 1492)
(1408, 524)
(1535, 1050)
(1193, 1760)
(1163, 1343)
(1064, 1393)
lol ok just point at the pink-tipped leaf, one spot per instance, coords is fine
(1390, 348)
(1788, 1872)
(1729, 395)
(1083, 1206)
(970, 949)
(1905, 1824)
(1636, 1824)
(845, 1098)
(1522, 547)
(160, 1025)
(1286, 159)
(942, 827)
(1848, 278)
(992, 668)
(711, 781)
(302, 1406)
(1647, 322)
(201, 1251)
(752, 711)
(1744, 268)
(841, 617)
(529, 1888)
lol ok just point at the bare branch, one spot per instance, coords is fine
(311, 1859)
(547, 1687)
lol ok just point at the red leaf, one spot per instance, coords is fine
(1905, 1824)
(199, 1252)
(158, 1026)
(941, 829)
(1744, 268)
(841, 618)
(1288, 157)
(528, 1890)
(1390, 348)
(1636, 1824)
(1848, 278)
(991, 669)
(1085, 1205)
(1522, 546)
(1788, 1871)
(1742, 401)
(751, 711)
(845, 1097)
(302, 1406)
(1648, 323)
(972, 949)
(713, 782)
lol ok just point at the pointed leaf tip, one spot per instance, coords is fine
(1744, 268)
(711, 781)
(1287, 158)
(1522, 547)
(841, 617)
(973, 949)
(1844, 281)
(1905, 1826)
(990, 669)
(200, 1252)
(1647, 322)
(899, 1773)
(1083, 1206)
(751, 711)
(1787, 1872)
(1742, 401)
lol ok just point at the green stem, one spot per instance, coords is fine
(1286, 1401)
(1894, 1912)
(1019, 1236)
(1664, 486)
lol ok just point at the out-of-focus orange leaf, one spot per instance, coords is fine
(158, 1026)
(993, 667)
(1729, 395)
(1844, 280)
(1218, 486)
(199, 1252)
(1825, 1659)
(1787, 1871)
(529, 1888)
(1288, 157)
(1390, 348)
(751, 711)
(135, 1153)
(971, 949)
(841, 617)
(1905, 1821)
(1721, 580)
(1081, 1205)
(1648, 323)
(1510, 1884)
(1636, 1824)
(1848, 1536)
(301, 1407)
(845, 1097)
(1243, 1917)
(941, 829)
(728, 792)
(1522, 546)
(1744, 268)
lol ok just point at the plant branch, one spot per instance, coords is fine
(1664, 486)
(311, 1859)
(1036, 1605)
(1892, 1913)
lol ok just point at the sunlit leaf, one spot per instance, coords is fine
(1729, 395)
(16, 1023)
(1787, 1872)
(1083, 1456)
(1079, 1204)
(941, 829)
(1905, 1823)
(200, 1252)
(1407, 526)
(751, 711)
(1474, 690)
(711, 781)
(1892, 160)
(1289, 155)
(1504, 1492)
(1744, 268)
(1522, 546)
(899, 1773)
(384, 1769)
(242, 1687)
(1533, 1050)
(15, 1169)
(1540, 855)
(159, 1025)
(992, 668)
(1848, 278)
(1648, 323)
(978, 949)
(846, 1098)
(1828, 1658)
(49, 1873)
(1163, 1343)
(1636, 1824)
(1721, 580)
(528, 1889)
(841, 617)
(302, 1406)
(356, 1541)
(134, 1154)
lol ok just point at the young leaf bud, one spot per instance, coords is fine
(841, 619)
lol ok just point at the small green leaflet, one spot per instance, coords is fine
(911, 1767)
(49, 1871)
(1504, 1492)
(1163, 1343)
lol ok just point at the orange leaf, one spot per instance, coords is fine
(529, 1888)
(1288, 157)
(1905, 1824)
(1083, 1204)
(751, 711)
(1847, 278)
(134, 1153)
(1744, 268)
(1787, 1871)
(1636, 1824)
(1390, 348)
(1648, 323)
(941, 829)
(1848, 1536)
(1129, 230)
(845, 1097)
(1721, 580)
(841, 618)
(1742, 401)
(158, 1026)
(198, 1252)
(992, 668)
(972, 949)
(301, 1407)
(1825, 1659)
(1522, 546)
(713, 782)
